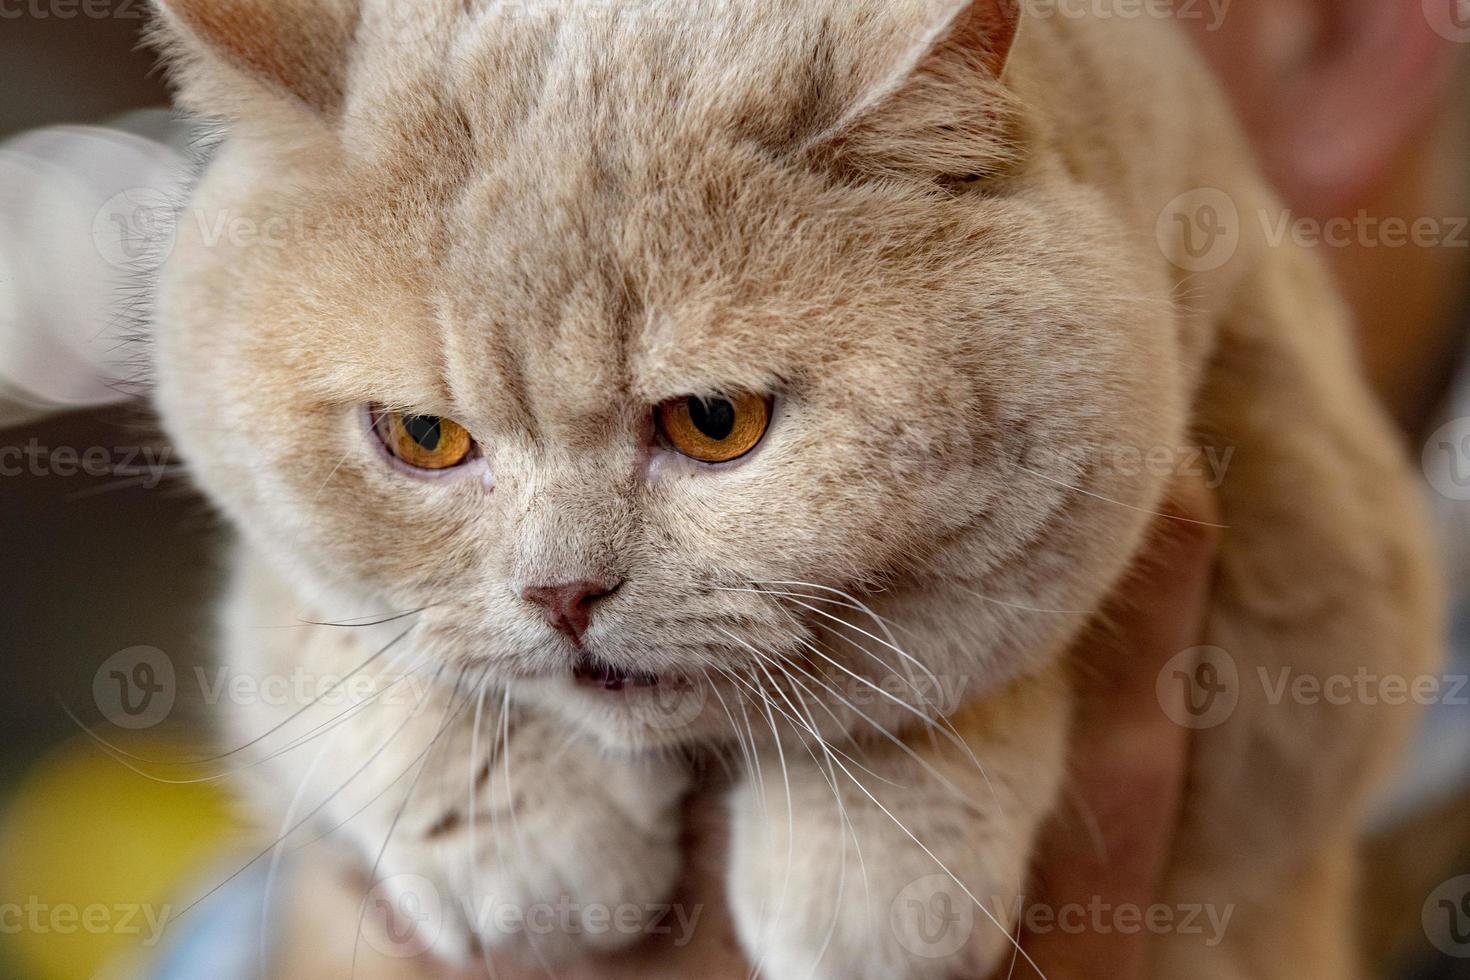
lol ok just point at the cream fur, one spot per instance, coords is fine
(542, 224)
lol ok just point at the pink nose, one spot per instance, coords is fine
(568, 605)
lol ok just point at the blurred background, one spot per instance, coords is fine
(1359, 107)
(92, 565)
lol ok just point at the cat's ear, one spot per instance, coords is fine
(984, 30)
(935, 37)
(938, 106)
(232, 57)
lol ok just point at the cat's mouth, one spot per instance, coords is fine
(594, 673)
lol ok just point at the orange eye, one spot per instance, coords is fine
(715, 430)
(427, 442)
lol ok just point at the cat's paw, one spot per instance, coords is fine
(577, 861)
(816, 898)
(898, 865)
(568, 851)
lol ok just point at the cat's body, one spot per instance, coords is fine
(543, 228)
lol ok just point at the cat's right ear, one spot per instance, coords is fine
(244, 59)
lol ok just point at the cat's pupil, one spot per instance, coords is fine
(425, 430)
(715, 417)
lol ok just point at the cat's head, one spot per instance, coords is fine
(660, 338)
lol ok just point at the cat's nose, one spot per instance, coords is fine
(568, 605)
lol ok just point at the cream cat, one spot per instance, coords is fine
(674, 376)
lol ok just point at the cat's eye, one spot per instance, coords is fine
(426, 442)
(715, 430)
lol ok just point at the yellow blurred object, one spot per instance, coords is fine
(94, 856)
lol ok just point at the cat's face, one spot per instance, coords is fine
(543, 229)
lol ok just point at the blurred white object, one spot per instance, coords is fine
(84, 213)
(1438, 769)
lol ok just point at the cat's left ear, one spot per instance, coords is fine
(984, 29)
(937, 105)
(940, 36)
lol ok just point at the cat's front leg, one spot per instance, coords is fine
(890, 865)
(585, 846)
(473, 823)
(553, 849)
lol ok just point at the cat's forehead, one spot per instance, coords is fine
(636, 72)
(580, 298)
(642, 75)
(614, 201)
(625, 222)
